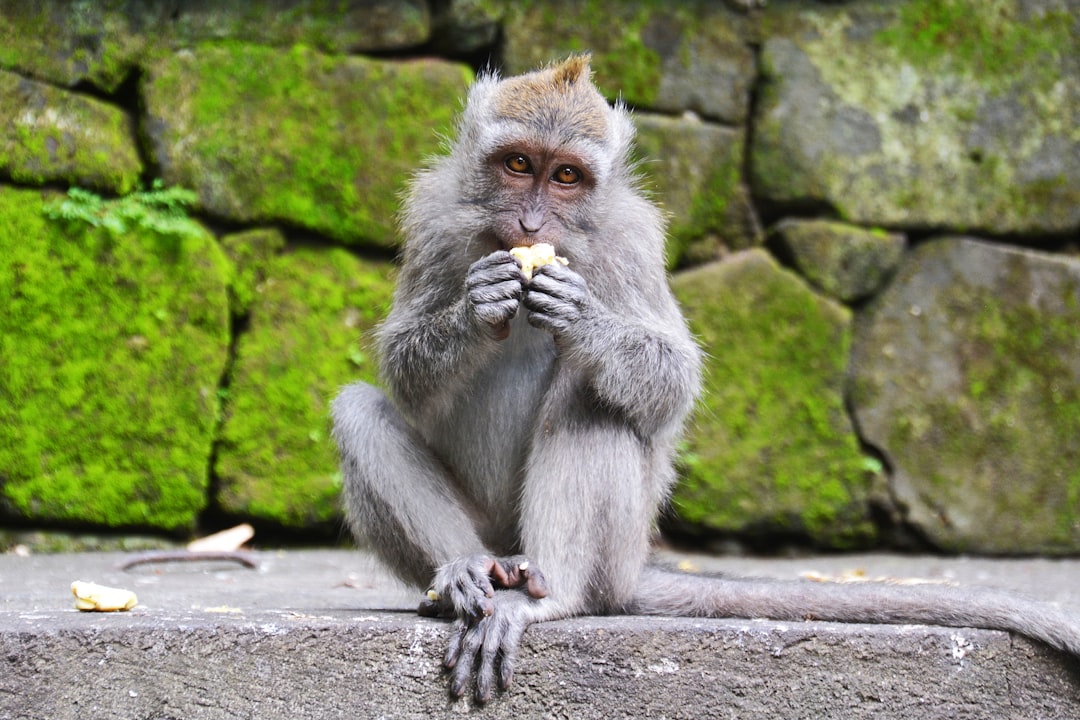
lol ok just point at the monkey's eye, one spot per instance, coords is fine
(567, 175)
(518, 164)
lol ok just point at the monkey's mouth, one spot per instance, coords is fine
(510, 244)
(525, 242)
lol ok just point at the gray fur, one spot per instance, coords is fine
(665, 592)
(539, 419)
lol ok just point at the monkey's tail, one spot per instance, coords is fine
(666, 592)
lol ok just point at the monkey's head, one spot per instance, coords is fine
(538, 153)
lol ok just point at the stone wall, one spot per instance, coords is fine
(874, 212)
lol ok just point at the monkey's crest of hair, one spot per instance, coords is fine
(559, 96)
(558, 105)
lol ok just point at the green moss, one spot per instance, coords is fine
(694, 170)
(276, 459)
(987, 39)
(771, 448)
(322, 142)
(1042, 196)
(631, 69)
(710, 206)
(253, 253)
(778, 166)
(111, 349)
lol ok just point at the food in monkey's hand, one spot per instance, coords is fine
(534, 256)
(99, 598)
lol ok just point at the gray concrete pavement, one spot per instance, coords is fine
(326, 634)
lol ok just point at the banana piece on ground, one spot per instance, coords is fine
(99, 598)
(534, 256)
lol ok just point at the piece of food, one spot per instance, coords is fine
(231, 539)
(98, 598)
(534, 256)
(858, 575)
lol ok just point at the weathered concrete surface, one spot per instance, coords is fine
(327, 635)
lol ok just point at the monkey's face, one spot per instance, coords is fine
(540, 194)
(539, 158)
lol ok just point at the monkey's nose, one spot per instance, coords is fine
(531, 222)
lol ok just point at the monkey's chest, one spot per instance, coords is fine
(485, 439)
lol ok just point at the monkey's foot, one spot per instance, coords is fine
(493, 639)
(465, 587)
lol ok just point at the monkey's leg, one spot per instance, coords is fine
(664, 592)
(585, 520)
(586, 509)
(402, 499)
(397, 494)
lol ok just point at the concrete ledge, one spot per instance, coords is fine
(327, 635)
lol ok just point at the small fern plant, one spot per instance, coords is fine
(160, 210)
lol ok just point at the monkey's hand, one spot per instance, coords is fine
(557, 299)
(494, 286)
(492, 639)
(465, 587)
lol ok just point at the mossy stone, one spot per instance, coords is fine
(112, 347)
(966, 374)
(651, 54)
(327, 25)
(846, 262)
(67, 42)
(922, 114)
(694, 171)
(297, 137)
(305, 339)
(771, 448)
(466, 26)
(50, 135)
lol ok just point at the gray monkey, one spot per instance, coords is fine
(518, 465)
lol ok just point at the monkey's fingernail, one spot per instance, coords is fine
(432, 596)
(524, 566)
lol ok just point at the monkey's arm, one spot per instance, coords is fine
(442, 329)
(640, 360)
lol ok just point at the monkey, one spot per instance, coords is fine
(520, 458)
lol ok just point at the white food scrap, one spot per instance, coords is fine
(534, 256)
(92, 597)
(858, 575)
(224, 541)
